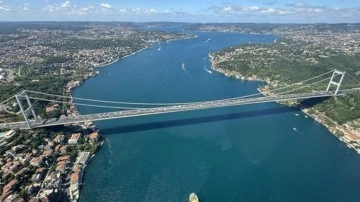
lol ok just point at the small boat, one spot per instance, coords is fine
(294, 129)
(209, 39)
(306, 116)
(183, 66)
(193, 198)
(296, 114)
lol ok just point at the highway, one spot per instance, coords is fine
(172, 109)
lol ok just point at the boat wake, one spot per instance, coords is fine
(296, 130)
(208, 71)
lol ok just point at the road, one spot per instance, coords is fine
(171, 109)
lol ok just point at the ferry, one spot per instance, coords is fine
(193, 198)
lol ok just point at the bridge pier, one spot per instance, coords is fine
(337, 84)
(28, 111)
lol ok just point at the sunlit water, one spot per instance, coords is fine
(247, 153)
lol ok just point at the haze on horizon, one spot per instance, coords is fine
(255, 11)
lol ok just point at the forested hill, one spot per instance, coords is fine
(298, 56)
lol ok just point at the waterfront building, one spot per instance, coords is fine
(94, 137)
(74, 138)
(351, 138)
(83, 158)
(75, 182)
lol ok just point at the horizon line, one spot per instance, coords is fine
(144, 22)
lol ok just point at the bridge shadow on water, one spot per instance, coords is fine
(196, 120)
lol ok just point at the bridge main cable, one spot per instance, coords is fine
(82, 104)
(157, 104)
(289, 91)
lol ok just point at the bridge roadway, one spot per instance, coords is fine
(171, 109)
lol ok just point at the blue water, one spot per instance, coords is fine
(247, 153)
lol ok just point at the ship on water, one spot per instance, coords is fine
(193, 198)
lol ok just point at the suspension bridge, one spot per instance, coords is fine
(131, 109)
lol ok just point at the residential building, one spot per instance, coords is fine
(74, 138)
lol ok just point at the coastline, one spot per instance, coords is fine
(75, 110)
(337, 130)
(233, 74)
(117, 59)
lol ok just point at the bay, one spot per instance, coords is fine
(246, 153)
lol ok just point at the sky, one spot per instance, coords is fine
(201, 11)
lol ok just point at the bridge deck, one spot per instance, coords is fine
(170, 109)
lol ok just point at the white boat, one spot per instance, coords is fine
(296, 114)
(183, 66)
(294, 129)
(193, 198)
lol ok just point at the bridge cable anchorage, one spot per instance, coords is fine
(163, 104)
(89, 105)
(304, 86)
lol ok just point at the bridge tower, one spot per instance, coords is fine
(25, 112)
(337, 84)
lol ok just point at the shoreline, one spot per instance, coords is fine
(233, 74)
(122, 57)
(76, 111)
(337, 130)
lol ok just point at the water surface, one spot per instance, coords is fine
(246, 153)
